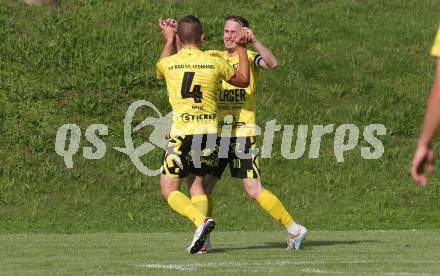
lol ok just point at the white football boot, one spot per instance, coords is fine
(294, 241)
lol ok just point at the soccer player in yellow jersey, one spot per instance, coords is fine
(192, 78)
(240, 103)
(425, 154)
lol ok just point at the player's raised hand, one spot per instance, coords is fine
(170, 22)
(173, 23)
(424, 156)
(167, 29)
(242, 37)
(251, 33)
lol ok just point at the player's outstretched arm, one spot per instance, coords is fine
(168, 29)
(425, 155)
(241, 77)
(268, 59)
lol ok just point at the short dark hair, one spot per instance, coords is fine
(190, 29)
(241, 20)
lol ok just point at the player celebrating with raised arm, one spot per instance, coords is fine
(241, 105)
(192, 78)
(425, 154)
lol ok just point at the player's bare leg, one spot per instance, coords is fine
(195, 185)
(252, 187)
(168, 185)
(169, 189)
(209, 182)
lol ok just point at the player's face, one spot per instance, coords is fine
(229, 31)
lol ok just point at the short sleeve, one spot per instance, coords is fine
(160, 69)
(225, 70)
(435, 51)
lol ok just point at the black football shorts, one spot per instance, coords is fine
(240, 167)
(190, 154)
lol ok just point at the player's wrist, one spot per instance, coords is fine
(241, 47)
(423, 143)
(169, 41)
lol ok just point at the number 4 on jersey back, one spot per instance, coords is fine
(196, 94)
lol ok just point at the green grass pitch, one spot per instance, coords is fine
(340, 61)
(411, 252)
(347, 61)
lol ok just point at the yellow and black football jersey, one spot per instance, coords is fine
(193, 79)
(238, 102)
(435, 51)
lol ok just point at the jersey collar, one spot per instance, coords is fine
(189, 50)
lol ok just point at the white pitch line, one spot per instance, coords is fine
(406, 274)
(181, 267)
(321, 271)
(197, 266)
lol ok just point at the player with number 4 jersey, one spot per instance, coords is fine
(192, 78)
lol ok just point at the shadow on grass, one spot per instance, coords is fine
(307, 244)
